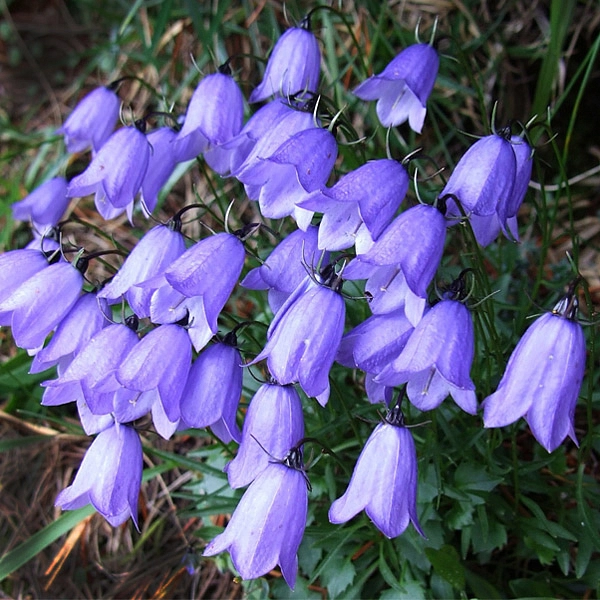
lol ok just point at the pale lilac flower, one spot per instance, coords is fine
(294, 65)
(116, 173)
(214, 388)
(273, 424)
(109, 477)
(384, 481)
(268, 524)
(214, 116)
(437, 358)
(304, 336)
(543, 378)
(402, 88)
(284, 269)
(45, 205)
(85, 320)
(151, 256)
(39, 304)
(282, 180)
(360, 205)
(92, 121)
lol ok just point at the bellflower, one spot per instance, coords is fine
(284, 269)
(85, 320)
(157, 366)
(92, 120)
(360, 205)
(300, 165)
(373, 344)
(268, 524)
(384, 481)
(411, 263)
(214, 388)
(437, 359)
(39, 304)
(273, 424)
(116, 173)
(209, 271)
(214, 116)
(543, 378)
(94, 364)
(485, 176)
(304, 336)
(45, 205)
(402, 88)
(263, 120)
(293, 66)
(17, 266)
(151, 256)
(109, 477)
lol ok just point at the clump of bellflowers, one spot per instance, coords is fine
(228, 340)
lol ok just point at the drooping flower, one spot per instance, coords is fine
(95, 364)
(543, 378)
(284, 269)
(282, 180)
(92, 121)
(116, 173)
(45, 205)
(437, 358)
(272, 425)
(214, 388)
(208, 272)
(84, 320)
(214, 116)
(304, 336)
(483, 183)
(384, 481)
(268, 524)
(151, 256)
(402, 88)
(39, 304)
(403, 260)
(372, 345)
(109, 477)
(360, 205)
(156, 369)
(294, 65)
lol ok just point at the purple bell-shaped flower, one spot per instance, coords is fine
(360, 205)
(39, 304)
(543, 378)
(273, 424)
(45, 205)
(294, 65)
(437, 358)
(92, 120)
(268, 524)
(284, 270)
(116, 173)
(384, 481)
(109, 477)
(214, 388)
(214, 116)
(305, 334)
(150, 257)
(402, 88)
(299, 166)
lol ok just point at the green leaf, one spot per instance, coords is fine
(338, 575)
(447, 565)
(42, 539)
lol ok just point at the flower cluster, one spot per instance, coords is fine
(150, 342)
